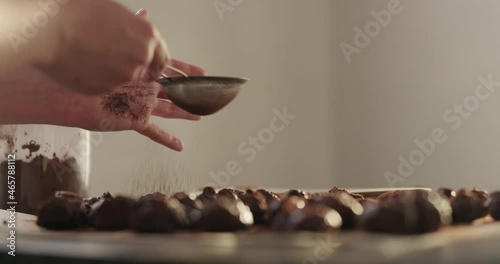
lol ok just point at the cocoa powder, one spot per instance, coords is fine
(32, 147)
(132, 104)
(39, 179)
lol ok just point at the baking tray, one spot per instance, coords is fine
(458, 244)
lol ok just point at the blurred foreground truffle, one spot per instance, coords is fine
(346, 205)
(224, 215)
(406, 212)
(63, 211)
(111, 213)
(158, 216)
(296, 214)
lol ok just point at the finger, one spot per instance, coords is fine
(157, 134)
(162, 95)
(142, 13)
(187, 68)
(167, 109)
(161, 58)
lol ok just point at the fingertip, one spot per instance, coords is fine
(142, 13)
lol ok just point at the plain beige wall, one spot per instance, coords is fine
(285, 48)
(427, 59)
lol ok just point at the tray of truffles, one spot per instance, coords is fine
(249, 225)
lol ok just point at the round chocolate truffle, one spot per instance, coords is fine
(447, 192)
(269, 196)
(224, 215)
(469, 205)
(157, 216)
(493, 204)
(208, 194)
(406, 212)
(302, 216)
(347, 206)
(228, 193)
(62, 212)
(111, 214)
(258, 206)
(297, 193)
(335, 189)
(155, 196)
(187, 200)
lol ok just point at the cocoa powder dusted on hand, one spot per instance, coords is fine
(134, 103)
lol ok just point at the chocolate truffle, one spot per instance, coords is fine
(447, 192)
(228, 193)
(258, 206)
(154, 196)
(157, 216)
(62, 212)
(187, 200)
(224, 215)
(493, 204)
(346, 205)
(208, 194)
(233, 191)
(111, 214)
(469, 205)
(406, 212)
(298, 193)
(269, 196)
(335, 189)
(302, 216)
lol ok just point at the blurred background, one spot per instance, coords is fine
(342, 92)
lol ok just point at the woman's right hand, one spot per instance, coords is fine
(101, 45)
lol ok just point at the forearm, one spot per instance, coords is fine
(24, 42)
(27, 97)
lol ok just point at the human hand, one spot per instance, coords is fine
(30, 97)
(101, 45)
